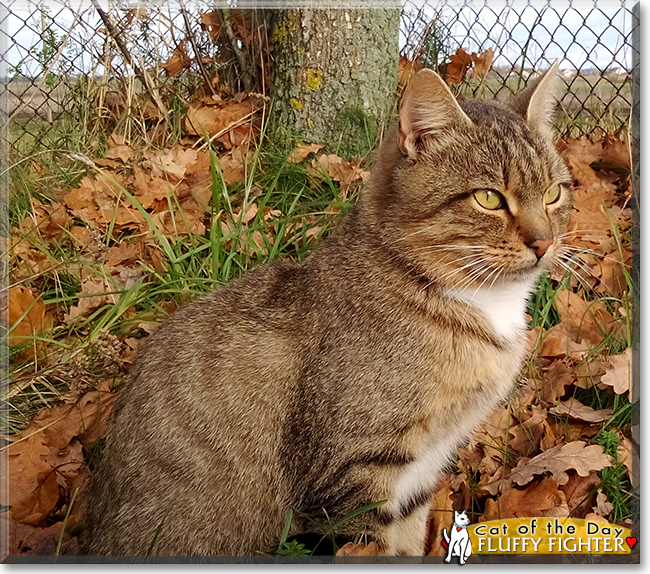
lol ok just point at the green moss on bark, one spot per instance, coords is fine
(341, 66)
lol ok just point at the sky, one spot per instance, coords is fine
(580, 36)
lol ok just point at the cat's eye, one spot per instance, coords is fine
(552, 194)
(489, 199)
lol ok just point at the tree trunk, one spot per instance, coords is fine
(335, 75)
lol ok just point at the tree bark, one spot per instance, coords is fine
(335, 75)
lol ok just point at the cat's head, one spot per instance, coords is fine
(474, 193)
(460, 518)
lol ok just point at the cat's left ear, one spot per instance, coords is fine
(537, 102)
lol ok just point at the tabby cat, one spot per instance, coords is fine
(352, 377)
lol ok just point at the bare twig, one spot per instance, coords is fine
(241, 57)
(118, 40)
(190, 35)
(140, 73)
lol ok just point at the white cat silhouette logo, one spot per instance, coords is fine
(457, 543)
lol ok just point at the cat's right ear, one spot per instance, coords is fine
(538, 101)
(427, 107)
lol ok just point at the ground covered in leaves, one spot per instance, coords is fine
(96, 267)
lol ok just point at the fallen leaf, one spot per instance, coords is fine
(178, 61)
(123, 254)
(340, 169)
(171, 164)
(556, 378)
(232, 167)
(213, 120)
(536, 500)
(602, 507)
(180, 224)
(117, 140)
(577, 410)
(556, 343)
(624, 453)
(574, 455)
(596, 517)
(584, 321)
(589, 373)
(48, 454)
(580, 493)
(548, 440)
(34, 488)
(28, 317)
(616, 152)
(619, 375)
(571, 430)
(45, 221)
(94, 294)
(527, 435)
(25, 539)
(495, 484)
(121, 152)
(302, 151)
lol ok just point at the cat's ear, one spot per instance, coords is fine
(456, 515)
(538, 101)
(427, 107)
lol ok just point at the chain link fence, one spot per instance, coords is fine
(70, 68)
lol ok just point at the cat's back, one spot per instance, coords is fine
(182, 428)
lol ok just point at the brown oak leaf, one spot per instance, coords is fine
(619, 375)
(302, 151)
(27, 316)
(536, 500)
(580, 493)
(577, 410)
(572, 456)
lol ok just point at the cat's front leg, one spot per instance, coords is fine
(405, 536)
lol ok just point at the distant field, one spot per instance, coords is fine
(591, 100)
(26, 100)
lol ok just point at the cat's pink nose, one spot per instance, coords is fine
(540, 247)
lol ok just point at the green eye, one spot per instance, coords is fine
(489, 199)
(552, 194)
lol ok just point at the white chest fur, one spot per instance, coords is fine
(503, 305)
(422, 475)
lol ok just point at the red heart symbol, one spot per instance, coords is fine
(459, 529)
(631, 542)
